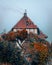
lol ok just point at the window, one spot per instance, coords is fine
(27, 23)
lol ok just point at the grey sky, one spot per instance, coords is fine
(40, 12)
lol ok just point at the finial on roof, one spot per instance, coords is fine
(25, 14)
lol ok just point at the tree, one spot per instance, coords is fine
(9, 53)
(22, 35)
(12, 36)
(39, 53)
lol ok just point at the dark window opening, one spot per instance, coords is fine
(27, 23)
(38, 31)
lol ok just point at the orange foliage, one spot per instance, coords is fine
(18, 33)
(43, 51)
(40, 47)
(10, 36)
(22, 34)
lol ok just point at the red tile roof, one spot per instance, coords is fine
(25, 22)
(42, 35)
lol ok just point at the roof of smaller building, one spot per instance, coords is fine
(42, 35)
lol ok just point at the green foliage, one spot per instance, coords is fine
(10, 54)
(32, 45)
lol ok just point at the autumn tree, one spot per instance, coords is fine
(11, 36)
(22, 35)
(39, 53)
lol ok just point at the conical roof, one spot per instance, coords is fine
(25, 22)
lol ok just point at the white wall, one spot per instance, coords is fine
(28, 30)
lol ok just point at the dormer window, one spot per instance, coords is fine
(27, 23)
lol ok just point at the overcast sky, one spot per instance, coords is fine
(39, 11)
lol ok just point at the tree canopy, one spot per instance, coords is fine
(9, 53)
